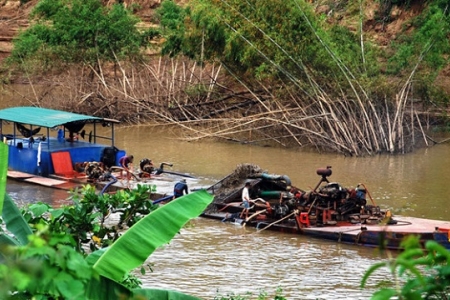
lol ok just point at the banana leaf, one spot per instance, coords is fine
(11, 215)
(102, 288)
(7, 240)
(161, 295)
(15, 222)
(3, 172)
(156, 229)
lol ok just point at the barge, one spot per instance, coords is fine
(330, 211)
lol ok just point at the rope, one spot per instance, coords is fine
(368, 193)
(254, 215)
(357, 237)
(253, 201)
(312, 204)
(295, 211)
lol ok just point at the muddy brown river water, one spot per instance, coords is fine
(209, 256)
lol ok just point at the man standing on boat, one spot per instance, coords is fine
(245, 200)
(125, 162)
(180, 189)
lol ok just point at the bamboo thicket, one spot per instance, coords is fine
(209, 104)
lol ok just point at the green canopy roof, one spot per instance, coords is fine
(45, 117)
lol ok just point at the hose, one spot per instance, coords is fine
(254, 215)
(162, 199)
(284, 178)
(108, 184)
(278, 221)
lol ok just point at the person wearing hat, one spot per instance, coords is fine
(180, 189)
(245, 200)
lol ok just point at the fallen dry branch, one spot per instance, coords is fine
(208, 105)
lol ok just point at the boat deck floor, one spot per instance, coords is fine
(57, 182)
(405, 225)
(161, 185)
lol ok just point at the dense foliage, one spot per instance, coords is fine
(88, 215)
(424, 51)
(416, 273)
(277, 39)
(287, 40)
(80, 32)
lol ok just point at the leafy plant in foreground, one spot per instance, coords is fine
(46, 265)
(54, 255)
(416, 274)
(87, 220)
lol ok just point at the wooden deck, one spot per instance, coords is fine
(161, 185)
(57, 183)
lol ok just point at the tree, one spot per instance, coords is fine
(80, 32)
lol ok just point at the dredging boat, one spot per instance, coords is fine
(329, 211)
(66, 150)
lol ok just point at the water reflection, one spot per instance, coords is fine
(25, 194)
(209, 257)
(414, 184)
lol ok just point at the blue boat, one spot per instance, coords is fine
(50, 143)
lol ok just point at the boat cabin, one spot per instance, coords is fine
(49, 142)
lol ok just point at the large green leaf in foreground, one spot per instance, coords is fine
(11, 215)
(3, 172)
(156, 229)
(161, 294)
(15, 223)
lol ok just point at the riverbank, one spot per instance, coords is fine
(381, 115)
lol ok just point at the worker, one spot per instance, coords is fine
(245, 200)
(146, 166)
(61, 134)
(126, 162)
(180, 189)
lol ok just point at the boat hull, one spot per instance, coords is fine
(377, 235)
(36, 158)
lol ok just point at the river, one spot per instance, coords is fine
(209, 256)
